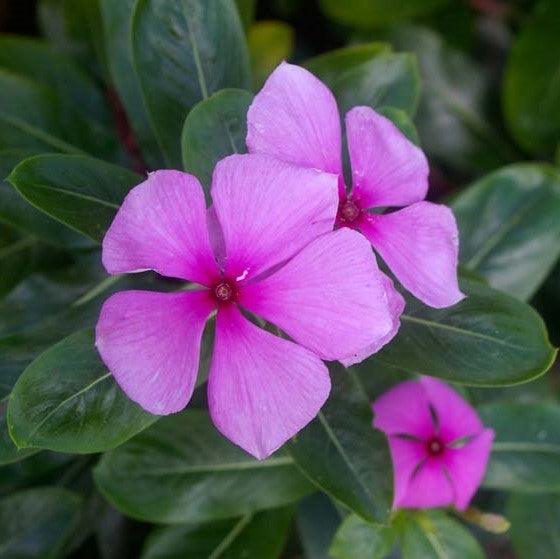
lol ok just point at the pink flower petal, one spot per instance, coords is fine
(396, 308)
(419, 482)
(467, 466)
(420, 245)
(161, 226)
(330, 297)
(151, 344)
(269, 210)
(404, 409)
(457, 418)
(295, 118)
(387, 168)
(262, 389)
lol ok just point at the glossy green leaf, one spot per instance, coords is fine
(342, 453)
(531, 93)
(376, 13)
(261, 535)
(369, 75)
(451, 119)
(81, 192)
(215, 128)
(434, 535)
(182, 470)
(356, 539)
(526, 450)
(19, 214)
(68, 401)
(509, 224)
(183, 52)
(33, 116)
(117, 27)
(37, 522)
(534, 525)
(270, 42)
(488, 339)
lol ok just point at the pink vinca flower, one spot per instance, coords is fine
(438, 444)
(295, 118)
(280, 259)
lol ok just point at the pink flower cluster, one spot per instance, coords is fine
(285, 244)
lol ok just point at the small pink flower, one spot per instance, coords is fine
(279, 259)
(295, 118)
(438, 444)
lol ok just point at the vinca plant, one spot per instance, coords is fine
(280, 279)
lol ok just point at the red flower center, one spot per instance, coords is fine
(348, 211)
(225, 292)
(435, 446)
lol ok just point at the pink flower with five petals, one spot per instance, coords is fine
(266, 247)
(438, 444)
(295, 118)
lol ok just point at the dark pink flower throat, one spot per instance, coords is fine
(435, 446)
(349, 212)
(225, 291)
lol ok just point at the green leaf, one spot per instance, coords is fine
(33, 116)
(117, 26)
(451, 119)
(526, 450)
(488, 339)
(37, 522)
(509, 223)
(68, 401)
(531, 92)
(182, 470)
(343, 454)
(534, 525)
(261, 535)
(402, 121)
(39, 61)
(246, 9)
(376, 13)
(81, 192)
(18, 214)
(369, 75)
(183, 52)
(356, 539)
(270, 42)
(434, 535)
(215, 128)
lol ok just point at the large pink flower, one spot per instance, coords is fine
(295, 118)
(270, 230)
(438, 444)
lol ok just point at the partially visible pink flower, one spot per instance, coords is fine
(295, 118)
(267, 246)
(438, 444)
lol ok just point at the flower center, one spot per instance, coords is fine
(348, 211)
(435, 446)
(225, 292)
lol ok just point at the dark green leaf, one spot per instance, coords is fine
(81, 192)
(357, 539)
(260, 535)
(37, 523)
(376, 13)
(531, 93)
(183, 52)
(534, 525)
(246, 9)
(117, 26)
(369, 75)
(451, 118)
(434, 535)
(270, 42)
(509, 224)
(343, 454)
(488, 339)
(526, 450)
(215, 128)
(68, 401)
(183, 470)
